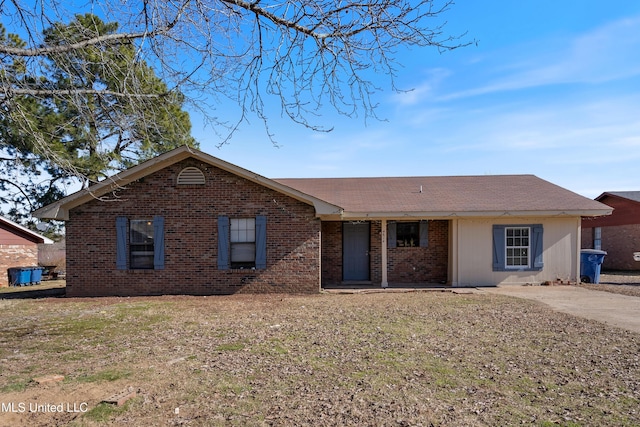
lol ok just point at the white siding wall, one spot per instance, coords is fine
(474, 239)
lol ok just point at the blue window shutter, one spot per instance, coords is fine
(158, 243)
(121, 243)
(537, 247)
(424, 234)
(261, 241)
(499, 248)
(223, 243)
(392, 237)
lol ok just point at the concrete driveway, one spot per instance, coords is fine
(613, 309)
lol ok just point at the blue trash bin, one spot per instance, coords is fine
(36, 275)
(19, 276)
(590, 262)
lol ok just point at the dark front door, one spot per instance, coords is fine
(355, 251)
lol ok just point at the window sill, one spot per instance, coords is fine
(517, 270)
(139, 271)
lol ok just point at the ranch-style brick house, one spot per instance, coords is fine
(619, 233)
(186, 222)
(18, 248)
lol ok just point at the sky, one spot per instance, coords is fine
(550, 88)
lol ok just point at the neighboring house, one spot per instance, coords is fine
(617, 234)
(188, 223)
(18, 248)
(52, 257)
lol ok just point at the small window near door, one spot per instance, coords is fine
(243, 242)
(408, 234)
(141, 244)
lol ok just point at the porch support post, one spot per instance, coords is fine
(454, 271)
(578, 246)
(383, 236)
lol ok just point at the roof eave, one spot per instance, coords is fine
(398, 216)
(38, 238)
(53, 211)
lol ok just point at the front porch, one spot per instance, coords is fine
(394, 254)
(347, 288)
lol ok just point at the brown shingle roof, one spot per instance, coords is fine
(366, 197)
(445, 194)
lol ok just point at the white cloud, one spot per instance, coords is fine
(607, 53)
(425, 90)
(568, 124)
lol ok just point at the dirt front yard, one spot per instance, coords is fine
(618, 282)
(406, 359)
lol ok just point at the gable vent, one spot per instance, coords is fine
(191, 176)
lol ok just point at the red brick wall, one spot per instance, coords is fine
(620, 242)
(190, 214)
(405, 265)
(620, 233)
(331, 252)
(587, 238)
(625, 211)
(422, 265)
(24, 255)
(375, 252)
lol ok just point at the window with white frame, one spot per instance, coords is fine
(243, 242)
(517, 245)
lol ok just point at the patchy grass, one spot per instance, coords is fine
(371, 359)
(44, 285)
(108, 375)
(103, 412)
(15, 383)
(235, 346)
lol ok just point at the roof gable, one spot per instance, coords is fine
(23, 232)
(633, 196)
(60, 209)
(626, 209)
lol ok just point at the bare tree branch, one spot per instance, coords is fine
(296, 57)
(19, 189)
(48, 50)
(68, 92)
